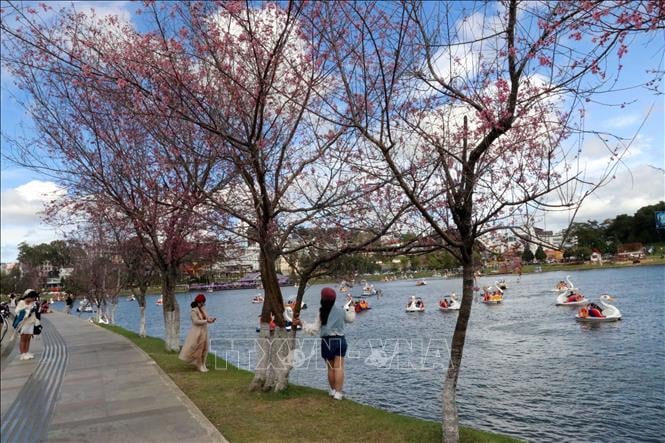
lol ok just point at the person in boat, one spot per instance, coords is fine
(195, 348)
(594, 310)
(573, 297)
(444, 303)
(330, 325)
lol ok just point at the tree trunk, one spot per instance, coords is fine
(281, 359)
(140, 299)
(291, 338)
(114, 306)
(450, 418)
(261, 372)
(171, 309)
(142, 322)
(265, 378)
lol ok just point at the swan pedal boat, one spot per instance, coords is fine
(414, 306)
(562, 299)
(258, 299)
(492, 297)
(453, 303)
(563, 285)
(610, 312)
(358, 305)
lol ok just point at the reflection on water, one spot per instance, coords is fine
(529, 369)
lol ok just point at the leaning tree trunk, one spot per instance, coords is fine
(270, 345)
(450, 417)
(291, 338)
(171, 309)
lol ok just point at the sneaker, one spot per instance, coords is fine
(23, 357)
(203, 368)
(338, 395)
(332, 392)
(29, 355)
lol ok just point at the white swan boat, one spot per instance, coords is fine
(608, 312)
(501, 284)
(257, 299)
(450, 303)
(421, 283)
(368, 290)
(288, 316)
(84, 306)
(492, 296)
(415, 304)
(159, 301)
(563, 285)
(349, 305)
(571, 297)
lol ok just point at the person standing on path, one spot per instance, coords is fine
(330, 325)
(69, 304)
(27, 313)
(195, 348)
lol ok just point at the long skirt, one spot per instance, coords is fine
(195, 348)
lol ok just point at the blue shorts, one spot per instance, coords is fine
(333, 346)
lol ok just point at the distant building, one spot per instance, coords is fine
(555, 240)
(8, 267)
(553, 254)
(630, 251)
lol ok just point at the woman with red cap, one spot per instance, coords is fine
(195, 348)
(330, 325)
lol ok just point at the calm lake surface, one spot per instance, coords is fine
(529, 369)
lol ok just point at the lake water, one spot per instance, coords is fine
(529, 369)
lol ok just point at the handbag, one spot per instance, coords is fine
(37, 330)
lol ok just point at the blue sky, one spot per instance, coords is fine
(639, 180)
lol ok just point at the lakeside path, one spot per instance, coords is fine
(87, 384)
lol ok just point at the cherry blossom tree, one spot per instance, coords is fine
(216, 99)
(250, 79)
(475, 107)
(96, 140)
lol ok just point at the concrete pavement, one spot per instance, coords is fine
(87, 384)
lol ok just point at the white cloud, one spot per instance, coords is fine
(21, 221)
(630, 190)
(623, 121)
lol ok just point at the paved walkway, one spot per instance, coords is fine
(87, 384)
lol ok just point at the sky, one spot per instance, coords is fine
(639, 180)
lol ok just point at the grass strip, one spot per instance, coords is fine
(299, 414)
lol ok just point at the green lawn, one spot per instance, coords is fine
(649, 261)
(299, 414)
